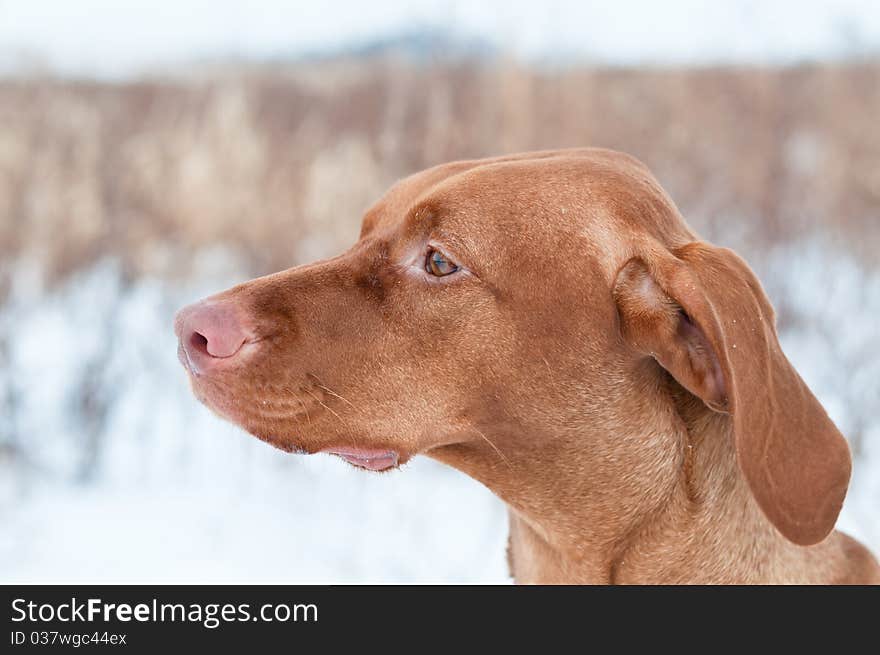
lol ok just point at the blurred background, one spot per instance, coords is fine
(152, 152)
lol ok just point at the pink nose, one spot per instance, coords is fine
(210, 334)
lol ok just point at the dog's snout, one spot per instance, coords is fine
(211, 334)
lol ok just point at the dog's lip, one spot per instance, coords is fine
(373, 459)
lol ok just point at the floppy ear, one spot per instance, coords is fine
(702, 314)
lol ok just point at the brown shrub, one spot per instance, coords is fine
(281, 162)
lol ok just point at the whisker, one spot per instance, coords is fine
(500, 454)
(323, 405)
(305, 409)
(333, 393)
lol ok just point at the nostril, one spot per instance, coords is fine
(199, 343)
(210, 332)
(215, 342)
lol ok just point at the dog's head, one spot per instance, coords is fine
(491, 304)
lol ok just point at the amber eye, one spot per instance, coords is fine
(437, 264)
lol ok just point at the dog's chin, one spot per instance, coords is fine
(376, 457)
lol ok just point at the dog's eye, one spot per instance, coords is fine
(438, 264)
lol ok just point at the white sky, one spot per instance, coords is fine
(118, 37)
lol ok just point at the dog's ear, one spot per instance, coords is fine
(702, 314)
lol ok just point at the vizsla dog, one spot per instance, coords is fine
(548, 324)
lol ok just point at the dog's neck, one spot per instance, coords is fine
(651, 505)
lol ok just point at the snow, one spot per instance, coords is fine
(276, 522)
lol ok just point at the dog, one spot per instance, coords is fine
(549, 324)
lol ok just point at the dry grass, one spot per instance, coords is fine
(280, 163)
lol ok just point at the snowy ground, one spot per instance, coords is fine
(165, 492)
(260, 519)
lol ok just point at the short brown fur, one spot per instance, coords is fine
(615, 380)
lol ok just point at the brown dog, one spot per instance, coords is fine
(548, 324)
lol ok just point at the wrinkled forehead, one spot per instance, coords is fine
(594, 201)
